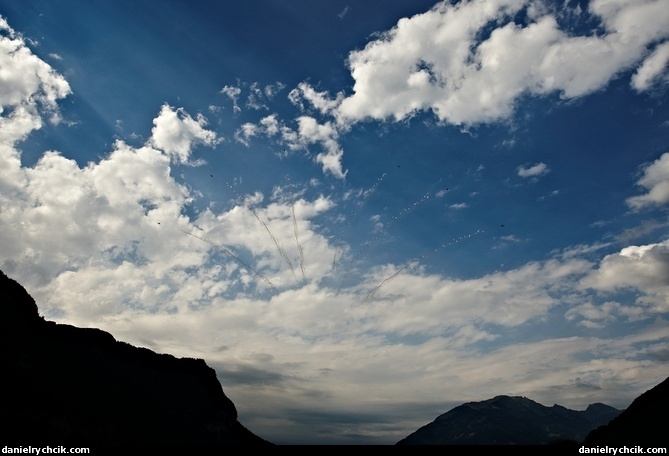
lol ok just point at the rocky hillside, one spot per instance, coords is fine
(66, 385)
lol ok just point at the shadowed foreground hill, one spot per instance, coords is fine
(65, 385)
(507, 420)
(644, 422)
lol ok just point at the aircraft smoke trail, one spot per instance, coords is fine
(231, 254)
(423, 257)
(300, 250)
(282, 252)
(388, 279)
(361, 204)
(370, 243)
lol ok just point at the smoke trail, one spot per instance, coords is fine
(356, 257)
(388, 279)
(300, 250)
(282, 252)
(423, 257)
(231, 254)
(361, 204)
(370, 243)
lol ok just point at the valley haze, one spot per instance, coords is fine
(360, 216)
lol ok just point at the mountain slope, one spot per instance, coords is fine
(510, 420)
(66, 385)
(644, 422)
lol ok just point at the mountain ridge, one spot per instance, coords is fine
(510, 420)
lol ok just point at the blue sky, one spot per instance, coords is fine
(359, 216)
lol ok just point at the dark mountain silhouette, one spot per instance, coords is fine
(63, 385)
(510, 420)
(644, 422)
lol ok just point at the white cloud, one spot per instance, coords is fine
(246, 132)
(413, 303)
(436, 60)
(233, 93)
(308, 132)
(270, 125)
(643, 269)
(271, 90)
(112, 223)
(29, 87)
(598, 316)
(319, 100)
(653, 69)
(255, 98)
(105, 213)
(656, 180)
(533, 171)
(176, 132)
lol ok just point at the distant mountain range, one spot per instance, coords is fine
(513, 420)
(63, 385)
(510, 420)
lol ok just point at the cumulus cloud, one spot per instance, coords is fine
(643, 269)
(113, 222)
(656, 180)
(443, 61)
(29, 88)
(176, 132)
